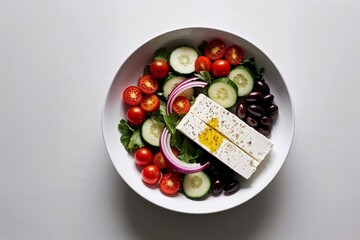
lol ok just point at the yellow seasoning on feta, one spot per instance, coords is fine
(211, 138)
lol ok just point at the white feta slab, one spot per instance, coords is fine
(236, 130)
(227, 152)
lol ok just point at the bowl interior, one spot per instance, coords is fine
(128, 74)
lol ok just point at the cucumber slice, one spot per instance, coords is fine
(182, 59)
(196, 185)
(151, 131)
(224, 92)
(170, 84)
(243, 78)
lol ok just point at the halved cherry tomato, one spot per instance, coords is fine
(215, 49)
(169, 184)
(202, 63)
(132, 95)
(150, 103)
(160, 161)
(220, 68)
(159, 69)
(147, 84)
(181, 105)
(136, 115)
(234, 54)
(151, 174)
(143, 157)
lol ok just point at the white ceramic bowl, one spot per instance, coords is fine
(129, 72)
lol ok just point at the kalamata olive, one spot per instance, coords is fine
(254, 97)
(266, 121)
(256, 110)
(251, 121)
(241, 110)
(231, 186)
(264, 130)
(268, 99)
(272, 109)
(262, 87)
(217, 187)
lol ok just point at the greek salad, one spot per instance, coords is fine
(165, 92)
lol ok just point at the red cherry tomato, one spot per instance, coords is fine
(151, 174)
(147, 84)
(143, 156)
(234, 54)
(150, 103)
(181, 105)
(159, 69)
(215, 49)
(202, 63)
(136, 115)
(169, 184)
(160, 161)
(175, 151)
(220, 68)
(132, 95)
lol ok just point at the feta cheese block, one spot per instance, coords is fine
(236, 130)
(218, 145)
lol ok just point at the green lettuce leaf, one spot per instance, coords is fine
(251, 65)
(130, 137)
(188, 153)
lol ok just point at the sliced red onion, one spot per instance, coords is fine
(186, 81)
(179, 89)
(173, 161)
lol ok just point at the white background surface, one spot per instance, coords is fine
(57, 60)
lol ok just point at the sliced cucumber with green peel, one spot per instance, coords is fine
(196, 185)
(151, 131)
(243, 78)
(224, 92)
(182, 59)
(170, 84)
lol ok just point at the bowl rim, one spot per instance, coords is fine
(291, 104)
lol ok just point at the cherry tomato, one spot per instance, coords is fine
(151, 174)
(147, 84)
(150, 103)
(136, 115)
(159, 69)
(132, 95)
(181, 105)
(143, 156)
(160, 161)
(234, 54)
(215, 49)
(169, 184)
(175, 151)
(220, 68)
(202, 63)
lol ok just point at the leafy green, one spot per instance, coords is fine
(159, 114)
(170, 121)
(130, 137)
(176, 140)
(135, 140)
(201, 47)
(146, 69)
(188, 153)
(161, 54)
(204, 75)
(251, 65)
